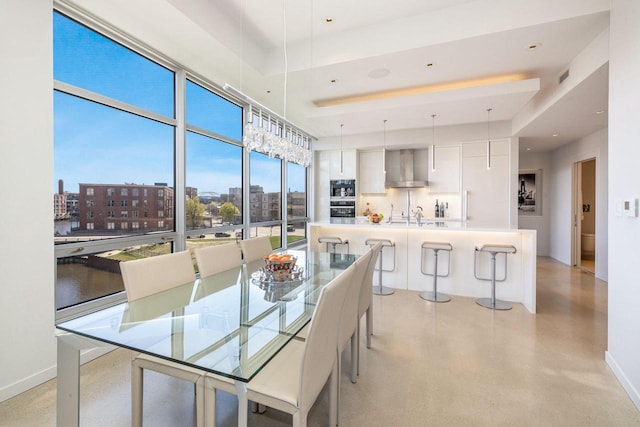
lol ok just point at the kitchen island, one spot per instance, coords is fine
(519, 285)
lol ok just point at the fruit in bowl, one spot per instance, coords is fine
(279, 267)
(375, 218)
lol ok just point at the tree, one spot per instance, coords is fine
(228, 212)
(195, 212)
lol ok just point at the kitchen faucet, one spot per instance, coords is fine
(419, 215)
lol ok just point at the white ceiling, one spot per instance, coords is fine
(376, 47)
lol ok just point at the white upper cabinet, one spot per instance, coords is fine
(445, 177)
(370, 172)
(348, 164)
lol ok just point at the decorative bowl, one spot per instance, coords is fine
(279, 267)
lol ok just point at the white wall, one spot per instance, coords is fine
(623, 354)
(538, 161)
(560, 207)
(26, 172)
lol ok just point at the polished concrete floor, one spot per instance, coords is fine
(453, 364)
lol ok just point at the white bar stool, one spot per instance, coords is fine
(494, 250)
(334, 241)
(436, 247)
(383, 290)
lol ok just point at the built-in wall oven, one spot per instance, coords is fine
(342, 201)
(343, 211)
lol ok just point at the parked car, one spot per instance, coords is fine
(222, 234)
(291, 228)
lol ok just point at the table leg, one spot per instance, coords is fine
(243, 403)
(68, 384)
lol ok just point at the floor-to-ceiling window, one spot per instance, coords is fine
(265, 197)
(148, 159)
(296, 202)
(114, 145)
(213, 168)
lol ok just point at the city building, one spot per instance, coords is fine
(125, 208)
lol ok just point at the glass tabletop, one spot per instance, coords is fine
(231, 323)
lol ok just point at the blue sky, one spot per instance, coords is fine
(98, 144)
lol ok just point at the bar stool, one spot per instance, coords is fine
(494, 250)
(436, 247)
(334, 241)
(383, 290)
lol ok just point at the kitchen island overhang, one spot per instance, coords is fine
(519, 286)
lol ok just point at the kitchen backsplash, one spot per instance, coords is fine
(419, 197)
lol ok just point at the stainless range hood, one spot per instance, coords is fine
(406, 168)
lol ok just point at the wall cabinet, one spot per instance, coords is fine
(445, 178)
(486, 191)
(370, 174)
(348, 164)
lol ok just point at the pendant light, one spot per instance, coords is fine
(489, 138)
(384, 146)
(341, 152)
(433, 143)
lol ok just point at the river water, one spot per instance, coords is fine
(77, 283)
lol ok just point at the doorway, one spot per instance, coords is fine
(584, 215)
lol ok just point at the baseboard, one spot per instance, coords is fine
(626, 384)
(45, 375)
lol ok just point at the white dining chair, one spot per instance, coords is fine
(217, 258)
(213, 260)
(256, 248)
(347, 330)
(366, 299)
(293, 379)
(145, 277)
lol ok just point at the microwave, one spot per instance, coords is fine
(343, 188)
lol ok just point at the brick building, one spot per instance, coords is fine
(125, 208)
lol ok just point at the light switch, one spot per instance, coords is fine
(630, 207)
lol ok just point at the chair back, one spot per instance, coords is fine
(214, 259)
(322, 340)
(256, 248)
(366, 289)
(143, 277)
(349, 316)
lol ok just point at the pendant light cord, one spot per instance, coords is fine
(286, 62)
(433, 142)
(489, 138)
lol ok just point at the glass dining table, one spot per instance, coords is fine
(230, 324)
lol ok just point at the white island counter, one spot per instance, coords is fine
(520, 283)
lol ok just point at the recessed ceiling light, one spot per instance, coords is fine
(268, 91)
(378, 73)
(534, 46)
(430, 64)
(528, 148)
(600, 112)
(554, 135)
(329, 20)
(333, 80)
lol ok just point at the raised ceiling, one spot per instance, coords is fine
(370, 63)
